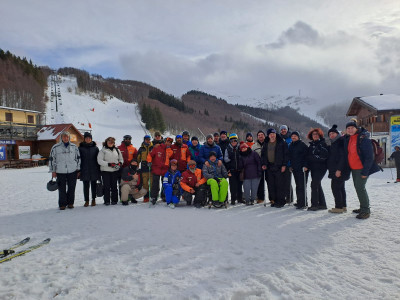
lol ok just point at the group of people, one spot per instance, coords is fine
(187, 170)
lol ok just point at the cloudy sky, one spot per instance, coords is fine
(329, 50)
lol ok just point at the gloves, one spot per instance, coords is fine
(112, 165)
(115, 166)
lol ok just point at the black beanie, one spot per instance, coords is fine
(194, 138)
(351, 123)
(296, 133)
(260, 131)
(87, 134)
(334, 129)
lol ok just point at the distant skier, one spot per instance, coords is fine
(396, 157)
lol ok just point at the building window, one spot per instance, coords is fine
(31, 119)
(9, 117)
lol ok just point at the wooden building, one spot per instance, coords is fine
(380, 115)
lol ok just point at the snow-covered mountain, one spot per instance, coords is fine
(87, 112)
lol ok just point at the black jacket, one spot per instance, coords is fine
(281, 154)
(90, 169)
(317, 155)
(337, 161)
(127, 175)
(364, 150)
(233, 160)
(298, 154)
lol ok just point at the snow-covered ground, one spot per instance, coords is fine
(110, 118)
(256, 252)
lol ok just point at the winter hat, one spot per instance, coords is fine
(147, 137)
(296, 133)
(127, 137)
(216, 134)
(233, 136)
(194, 138)
(157, 133)
(223, 132)
(283, 127)
(249, 134)
(260, 131)
(178, 137)
(353, 123)
(209, 136)
(243, 145)
(271, 130)
(191, 162)
(333, 129)
(169, 139)
(185, 133)
(173, 162)
(87, 134)
(212, 153)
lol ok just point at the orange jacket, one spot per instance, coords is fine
(190, 179)
(181, 154)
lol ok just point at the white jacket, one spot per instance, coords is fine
(64, 160)
(107, 156)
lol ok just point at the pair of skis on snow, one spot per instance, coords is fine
(10, 253)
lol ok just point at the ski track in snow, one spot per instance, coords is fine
(242, 252)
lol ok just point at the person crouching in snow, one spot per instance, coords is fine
(171, 185)
(131, 184)
(216, 175)
(193, 183)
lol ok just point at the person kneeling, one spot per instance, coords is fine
(193, 183)
(216, 175)
(171, 185)
(131, 184)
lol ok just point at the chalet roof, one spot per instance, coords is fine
(19, 109)
(52, 132)
(375, 103)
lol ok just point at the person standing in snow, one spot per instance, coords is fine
(257, 147)
(316, 162)
(251, 173)
(127, 150)
(298, 155)
(209, 146)
(143, 152)
(171, 185)
(110, 160)
(274, 157)
(194, 149)
(287, 175)
(185, 138)
(359, 156)
(90, 169)
(180, 152)
(249, 139)
(223, 144)
(216, 175)
(216, 137)
(396, 157)
(234, 165)
(64, 164)
(338, 171)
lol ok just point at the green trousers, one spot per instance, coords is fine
(359, 185)
(218, 191)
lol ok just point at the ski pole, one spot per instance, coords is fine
(150, 201)
(305, 188)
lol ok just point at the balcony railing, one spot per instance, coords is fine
(11, 130)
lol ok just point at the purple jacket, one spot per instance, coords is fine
(252, 164)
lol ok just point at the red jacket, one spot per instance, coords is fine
(181, 154)
(128, 153)
(158, 158)
(190, 179)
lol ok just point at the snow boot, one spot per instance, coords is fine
(93, 203)
(260, 201)
(321, 207)
(171, 205)
(363, 216)
(146, 199)
(86, 204)
(125, 202)
(344, 209)
(154, 201)
(356, 211)
(313, 208)
(71, 206)
(62, 207)
(336, 210)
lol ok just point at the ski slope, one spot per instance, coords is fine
(112, 118)
(255, 252)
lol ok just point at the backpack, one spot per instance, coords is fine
(379, 155)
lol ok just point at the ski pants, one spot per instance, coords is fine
(317, 193)
(287, 185)
(261, 186)
(339, 192)
(89, 185)
(171, 195)
(66, 188)
(155, 186)
(275, 186)
(359, 185)
(301, 187)
(219, 190)
(199, 195)
(110, 186)
(250, 187)
(147, 177)
(235, 187)
(398, 171)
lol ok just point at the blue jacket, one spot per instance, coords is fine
(172, 178)
(205, 153)
(364, 150)
(195, 154)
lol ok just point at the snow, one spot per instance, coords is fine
(383, 102)
(112, 118)
(255, 252)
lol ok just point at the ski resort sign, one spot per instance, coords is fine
(394, 132)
